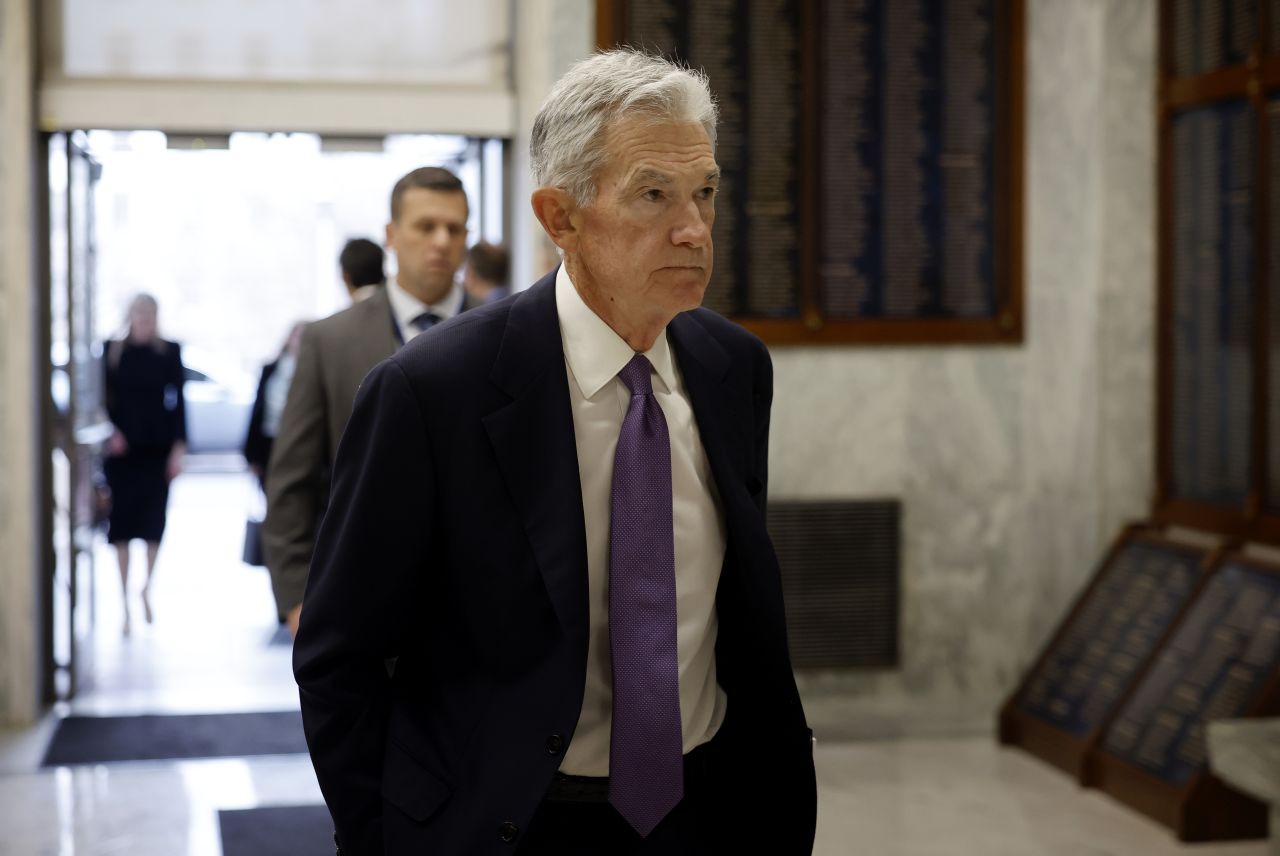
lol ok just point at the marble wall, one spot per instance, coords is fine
(18, 549)
(1015, 466)
(551, 35)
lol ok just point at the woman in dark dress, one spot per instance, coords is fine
(143, 394)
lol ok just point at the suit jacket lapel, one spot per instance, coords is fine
(533, 440)
(381, 318)
(725, 430)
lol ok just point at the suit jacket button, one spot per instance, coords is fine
(555, 744)
(508, 831)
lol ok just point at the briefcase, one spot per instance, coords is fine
(252, 554)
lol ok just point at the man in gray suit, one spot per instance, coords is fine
(428, 233)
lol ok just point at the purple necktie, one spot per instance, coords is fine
(646, 764)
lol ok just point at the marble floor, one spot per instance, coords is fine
(211, 649)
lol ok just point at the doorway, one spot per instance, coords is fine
(237, 237)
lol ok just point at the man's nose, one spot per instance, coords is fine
(692, 228)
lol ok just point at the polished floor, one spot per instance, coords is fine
(213, 648)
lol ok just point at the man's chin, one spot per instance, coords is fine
(432, 287)
(690, 296)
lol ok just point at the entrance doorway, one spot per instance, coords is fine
(237, 238)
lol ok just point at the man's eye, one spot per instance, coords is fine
(652, 195)
(707, 193)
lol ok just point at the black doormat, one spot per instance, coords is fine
(298, 830)
(103, 739)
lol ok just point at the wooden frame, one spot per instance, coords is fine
(1064, 750)
(1203, 808)
(1256, 80)
(812, 327)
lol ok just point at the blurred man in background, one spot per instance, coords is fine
(361, 263)
(485, 277)
(428, 233)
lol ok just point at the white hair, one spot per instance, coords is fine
(567, 148)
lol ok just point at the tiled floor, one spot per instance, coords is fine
(208, 651)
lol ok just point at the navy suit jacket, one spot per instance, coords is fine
(454, 542)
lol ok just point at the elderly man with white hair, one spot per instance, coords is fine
(544, 615)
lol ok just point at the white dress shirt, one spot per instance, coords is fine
(406, 307)
(594, 354)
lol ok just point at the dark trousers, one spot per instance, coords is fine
(585, 824)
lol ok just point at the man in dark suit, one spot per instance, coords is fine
(550, 513)
(428, 232)
(361, 264)
(486, 273)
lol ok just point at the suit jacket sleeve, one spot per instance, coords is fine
(109, 384)
(762, 393)
(799, 800)
(177, 377)
(297, 478)
(366, 584)
(770, 762)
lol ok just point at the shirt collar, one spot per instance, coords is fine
(406, 307)
(596, 353)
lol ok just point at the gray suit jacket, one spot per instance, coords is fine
(336, 354)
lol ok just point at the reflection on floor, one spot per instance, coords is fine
(209, 651)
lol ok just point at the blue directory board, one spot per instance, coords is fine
(1222, 656)
(902, 103)
(1213, 258)
(1096, 658)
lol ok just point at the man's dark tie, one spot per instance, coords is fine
(425, 321)
(646, 765)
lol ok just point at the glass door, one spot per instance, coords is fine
(78, 424)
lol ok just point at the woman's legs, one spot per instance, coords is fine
(153, 548)
(122, 558)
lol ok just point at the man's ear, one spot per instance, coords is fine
(556, 210)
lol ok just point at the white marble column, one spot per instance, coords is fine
(19, 548)
(550, 35)
(1126, 318)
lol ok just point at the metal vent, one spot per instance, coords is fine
(840, 572)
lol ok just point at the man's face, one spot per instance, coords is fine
(429, 239)
(644, 244)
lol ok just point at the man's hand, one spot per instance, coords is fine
(173, 467)
(116, 445)
(292, 619)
